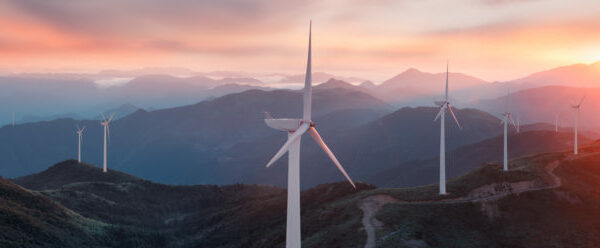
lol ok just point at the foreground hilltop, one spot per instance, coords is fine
(545, 200)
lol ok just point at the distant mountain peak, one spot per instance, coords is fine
(334, 83)
(368, 84)
(412, 70)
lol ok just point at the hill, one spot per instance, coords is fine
(202, 215)
(544, 200)
(70, 171)
(468, 157)
(30, 219)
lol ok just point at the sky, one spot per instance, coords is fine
(495, 40)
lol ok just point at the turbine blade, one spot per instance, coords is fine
(439, 114)
(512, 121)
(308, 80)
(103, 117)
(301, 130)
(446, 80)
(454, 116)
(111, 117)
(268, 116)
(581, 101)
(315, 135)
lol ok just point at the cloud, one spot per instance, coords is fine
(504, 2)
(126, 17)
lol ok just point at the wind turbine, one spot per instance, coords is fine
(556, 123)
(507, 117)
(105, 123)
(443, 106)
(576, 107)
(296, 128)
(518, 125)
(79, 135)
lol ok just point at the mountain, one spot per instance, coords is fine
(404, 135)
(486, 207)
(333, 83)
(416, 87)
(577, 75)
(368, 85)
(192, 140)
(45, 97)
(468, 157)
(175, 71)
(317, 77)
(120, 111)
(36, 118)
(542, 104)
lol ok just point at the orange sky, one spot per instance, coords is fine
(491, 39)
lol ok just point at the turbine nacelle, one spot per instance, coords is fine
(441, 103)
(578, 105)
(286, 124)
(508, 118)
(80, 130)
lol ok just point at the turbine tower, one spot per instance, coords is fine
(507, 117)
(105, 123)
(577, 107)
(441, 115)
(296, 128)
(518, 125)
(79, 135)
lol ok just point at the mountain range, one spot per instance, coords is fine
(225, 141)
(190, 138)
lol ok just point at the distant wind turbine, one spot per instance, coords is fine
(518, 125)
(105, 123)
(577, 107)
(556, 123)
(441, 115)
(507, 117)
(296, 128)
(79, 136)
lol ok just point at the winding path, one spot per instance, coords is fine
(486, 193)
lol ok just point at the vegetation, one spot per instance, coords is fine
(76, 205)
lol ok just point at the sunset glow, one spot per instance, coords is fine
(490, 39)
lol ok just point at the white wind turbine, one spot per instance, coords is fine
(507, 117)
(105, 123)
(296, 128)
(577, 107)
(443, 106)
(79, 136)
